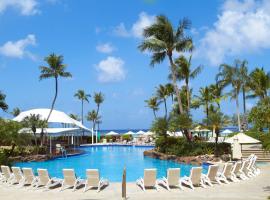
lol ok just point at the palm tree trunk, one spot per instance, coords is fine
(154, 114)
(97, 109)
(165, 104)
(175, 85)
(244, 100)
(207, 112)
(238, 113)
(187, 93)
(82, 112)
(55, 96)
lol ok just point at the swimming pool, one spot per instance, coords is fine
(110, 160)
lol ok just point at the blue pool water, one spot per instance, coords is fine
(110, 160)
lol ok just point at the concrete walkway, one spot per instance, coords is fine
(255, 188)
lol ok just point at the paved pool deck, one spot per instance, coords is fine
(255, 188)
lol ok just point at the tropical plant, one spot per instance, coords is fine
(74, 116)
(160, 126)
(184, 72)
(93, 116)
(230, 75)
(81, 95)
(15, 112)
(203, 99)
(153, 104)
(162, 40)
(259, 83)
(3, 104)
(55, 70)
(98, 98)
(170, 90)
(216, 93)
(162, 95)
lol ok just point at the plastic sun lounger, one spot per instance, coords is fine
(194, 179)
(255, 170)
(45, 180)
(28, 177)
(70, 180)
(227, 173)
(243, 175)
(211, 176)
(172, 179)
(236, 171)
(93, 180)
(7, 176)
(18, 176)
(149, 179)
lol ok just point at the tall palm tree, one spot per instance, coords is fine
(170, 90)
(98, 98)
(216, 93)
(74, 116)
(32, 122)
(55, 70)
(203, 99)
(184, 72)
(162, 94)
(259, 83)
(3, 104)
(153, 104)
(15, 112)
(244, 76)
(162, 39)
(81, 95)
(93, 116)
(230, 75)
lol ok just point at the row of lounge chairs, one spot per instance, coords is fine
(26, 177)
(217, 174)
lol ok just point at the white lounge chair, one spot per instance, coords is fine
(149, 179)
(195, 178)
(18, 176)
(93, 180)
(211, 176)
(243, 169)
(236, 171)
(255, 170)
(7, 176)
(28, 177)
(70, 180)
(44, 180)
(172, 179)
(227, 173)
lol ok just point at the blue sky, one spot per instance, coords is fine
(99, 40)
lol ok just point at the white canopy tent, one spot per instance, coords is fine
(112, 133)
(149, 133)
(129, 133)
(242, 139)
(140, 132)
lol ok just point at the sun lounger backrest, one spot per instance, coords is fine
(6, 171)
(195, 175)
(227, 170)
(173, 176)
(69, 176)
(150, 177)
(28, 175)
(92, 177)
(237, 167)
(17, 173)
(212, 172)
(43, 176)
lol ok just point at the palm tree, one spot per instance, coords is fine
(259, 83)
(74, 116)
(15, 112)
(184, 72)
(162, 94)
(55, 70)
(162, 40)
(153, 104)
(243, 72)
(81, 95)
(216, 93)
(204, 99)
(98, 98)
(93, 116)
(3, 104)
(231, 75)
(32, 122)
(170, 90)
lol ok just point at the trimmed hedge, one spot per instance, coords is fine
(181, 147)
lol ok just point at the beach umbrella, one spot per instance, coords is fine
(129, 133)
(112, 133)
(149, 133)
(140, 132)
(242, 139)
(226, 132)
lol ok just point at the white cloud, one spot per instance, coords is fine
(17, 49)
(25, 7)
(111, 70)
(105, 48)
(242, 27)
(137, 28)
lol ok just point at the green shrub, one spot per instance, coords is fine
(181, 147)
(127, 137)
